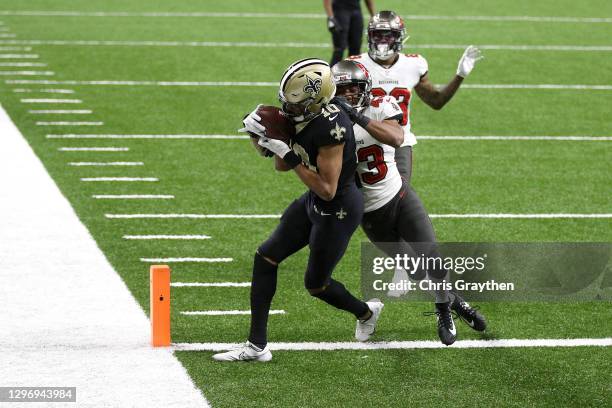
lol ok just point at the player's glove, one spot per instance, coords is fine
(469, 58)
(332, 25)
(252, 125)
(281, 149)
(355, 116)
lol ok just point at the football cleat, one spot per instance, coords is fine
(245, 352)
(446, 326)
(400, 276)
(366, 328)
(468, 314)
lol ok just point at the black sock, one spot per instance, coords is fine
(336, 295)
(263, 287)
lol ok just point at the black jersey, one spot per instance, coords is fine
(332, 126)
(346, 4)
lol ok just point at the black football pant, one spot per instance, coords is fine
(351, 22)
(326, 227)
(404, 227)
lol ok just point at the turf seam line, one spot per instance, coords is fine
(226, 312)
(169, 237)
(204, 260)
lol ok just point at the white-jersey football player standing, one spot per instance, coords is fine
(394, 216)
(400, 75)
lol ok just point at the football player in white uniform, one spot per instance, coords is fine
(399, 75)
(393, 213)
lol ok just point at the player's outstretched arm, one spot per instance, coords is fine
(437, 98)
(387, 131)
(325, 182)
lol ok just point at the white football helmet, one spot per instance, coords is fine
(305, 88)
(386, 35)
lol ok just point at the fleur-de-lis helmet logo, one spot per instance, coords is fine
(313, 86)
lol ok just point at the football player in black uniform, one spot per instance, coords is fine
(322, 154)
(345, 23)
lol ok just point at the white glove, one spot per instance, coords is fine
(275, 146)
(468, 60)
(252, 125)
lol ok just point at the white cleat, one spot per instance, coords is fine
(245, 352)
(365, 329)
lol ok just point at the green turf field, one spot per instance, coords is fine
(226, 177)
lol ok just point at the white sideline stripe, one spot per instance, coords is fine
(178, 237)
(219, 216)
(22, 64)
(101, 136)
(16, 56)
(275, 84)
(131, 196)
(69, 123)
(60, 111)
(226, 312)
(243, 137)
(119, 179)
(106, 164)
(211, 284)
(62, 326)
(207, 260)
(27, 73)
(247, 44)
(247, 216)
(405, 345)
(47, 13)
(94, 149)
(46, 100)
(58, 91)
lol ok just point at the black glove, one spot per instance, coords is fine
(332, 25)
(355, 116)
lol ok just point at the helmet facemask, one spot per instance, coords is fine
(386, 35)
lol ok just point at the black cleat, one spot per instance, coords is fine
(446, 326)
(468, 314)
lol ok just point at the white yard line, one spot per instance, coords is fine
(169, 237)
(12, 48)
(22, 64)
(204, 260)
(60, 112)
(226, 312)
(94, 149)
(253, 44)
(407, 345)
(275, 84)
(210, 284)
(67, 317)
(57, 91)
(251, 216)
(47, 100)
(69, 123)
(244, 137)
(106, 164)
(19, 56)
(27, 73)
(132, 197)
(316, 16)
(7, 35)
(128, 179)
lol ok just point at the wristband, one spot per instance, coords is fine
(292, 159)
(361, 120)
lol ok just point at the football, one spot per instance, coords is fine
(277, 126)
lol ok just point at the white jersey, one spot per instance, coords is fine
(398, 81)
(376, 167)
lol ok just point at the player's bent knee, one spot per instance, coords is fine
(316, 291)
(266, 259)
